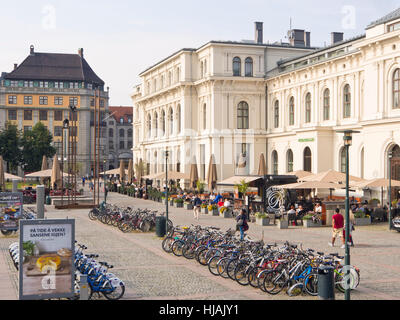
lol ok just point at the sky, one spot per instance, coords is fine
(122, 38)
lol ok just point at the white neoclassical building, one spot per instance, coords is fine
(284, 100)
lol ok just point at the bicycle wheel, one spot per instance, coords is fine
(260, 279)
(221, 267)
(311, 284)
(201, 257)
(116, 292)
(92, 215)
(144, 226)
(188, 251)
(230, 268)
(241, 273)
(252, 276)
(177, 247)
(212, 265)
(167, 244)
(295, 290)
(274, 281)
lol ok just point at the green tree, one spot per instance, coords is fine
(242, 187)
(36, 143)
(10, 142)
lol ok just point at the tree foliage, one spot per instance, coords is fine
(10, 141)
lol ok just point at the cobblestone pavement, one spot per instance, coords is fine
(150, 273)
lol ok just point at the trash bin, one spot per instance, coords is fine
(326, 283)
(160, 226)
(48, 200)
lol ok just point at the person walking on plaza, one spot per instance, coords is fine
(337, 225)
(241, 223)
(352, 223)
(196, 206)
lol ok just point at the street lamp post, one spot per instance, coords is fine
(347, 138)
(166, 188)
(105, 180)
(390, 155)
(64, 128)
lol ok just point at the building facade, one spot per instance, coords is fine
(207, 101)
(120, 136)
(284, 100)
(42, 89)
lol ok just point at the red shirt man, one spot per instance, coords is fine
(338, 225)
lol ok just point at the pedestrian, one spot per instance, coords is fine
(227, 205)
(217, 199)
(241, 223)
(351, 229)
(337, 225)
(300, 213)
(196, 206)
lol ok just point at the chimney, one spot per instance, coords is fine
(307, 39)
(296, 37)
(336, 37)
(259, 32)
(32, 50)
(80, 52)
(15, 66)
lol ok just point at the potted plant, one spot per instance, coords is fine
(311, 221)
(361, 219)
(179, 203)
(203, 208)
(282, 223)
(200, 186)
(225, 213)
(171, 202)
(213, 209)
(262, 219)
(374, 202)
(242, 188)
(188, 205)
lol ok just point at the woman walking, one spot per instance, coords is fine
(241, 223)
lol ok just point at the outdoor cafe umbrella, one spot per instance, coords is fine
(194, 175)
(300, 174)
(139, 170)
(130, 171)
(9, 176)
(212, 174)
(122, 171)
(311, 185)
(172, 175)
(55, 173)
(2, 176)
(43, 174)
(330, 176)
(376, 183)
(262, 169)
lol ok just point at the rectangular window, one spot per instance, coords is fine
(73, 101)
(92, 102)
(12, 99)
(43, 100)
(43, 115)
(73, 116)
(111, 145)
(27, 128)
(122, 145)
(12, 114)
(58, 115)
(394, 27)
(57, 131)
(27, 114)
(129, 146)
(101, 103)
(58, 101)
(27, 99)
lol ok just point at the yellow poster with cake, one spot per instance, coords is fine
(46, 259)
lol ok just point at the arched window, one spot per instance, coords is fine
(243, 115)
(308, 108)
(201, 69)
(343, 160)
(346, 101)
(149, 126)
(156, 124)
(396, 89)
(171, 121)
(121, 133)
(163, 122)
(110, 133)
(327, 109)
(169, 78)
(248, 67)
(307, 159)
(289, 161)
(276, 114)
(204, 116)
(178, 118)
(291, 111)
(237, 65)
(178, 74)
(274, 161)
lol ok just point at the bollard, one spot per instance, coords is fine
(83, 287)
(326, 283)
(40, 202)
(15, 185)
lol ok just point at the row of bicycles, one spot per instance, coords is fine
(271, 268)
(100, 280)
(126, 219)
